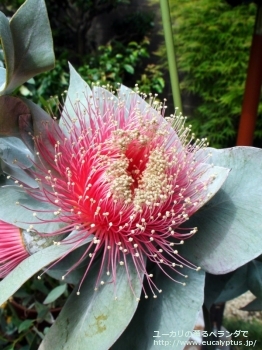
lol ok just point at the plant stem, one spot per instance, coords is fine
(171, 56)
(208, 329)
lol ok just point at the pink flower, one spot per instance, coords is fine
(12, 248)
(116, 169)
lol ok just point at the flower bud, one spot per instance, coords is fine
(16, 245)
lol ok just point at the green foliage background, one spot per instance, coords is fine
(213, 41)
(125, 57)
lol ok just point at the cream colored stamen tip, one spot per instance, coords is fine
(102, 282)
(63, 277)
(39, 277)
(146, 296)
(137, 299)
(78, 293)
(184, 284)
(198, 268)
(154, 296)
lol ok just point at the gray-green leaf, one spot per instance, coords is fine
(221, 288)
(230, 225)
(17, 208)
(94, 319)
(255, 278)
(27, 44)
(174, 310)
(55, 294)
(25, 325)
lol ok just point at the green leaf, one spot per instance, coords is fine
(30, 266)
(25, 325)
(32, 44)
(9, 347)
(43, 311)
(94, 319)
(229, 225)
(25, 91)
(221, 288)
(174, 310)
(55, 294)
(255, 278)
(129, 68)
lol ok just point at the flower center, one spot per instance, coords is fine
(153, 184)
(142, 178)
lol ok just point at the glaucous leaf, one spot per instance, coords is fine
(174, 310)
(17, 208)
(17, 174)
(254, 278)
(32, 49)
(219, 175)
(14, 151)
(229, 225)
(8, 48)
(221, 288)
(94, 319)
(77, 93)
(60, 269)
(73, 277)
